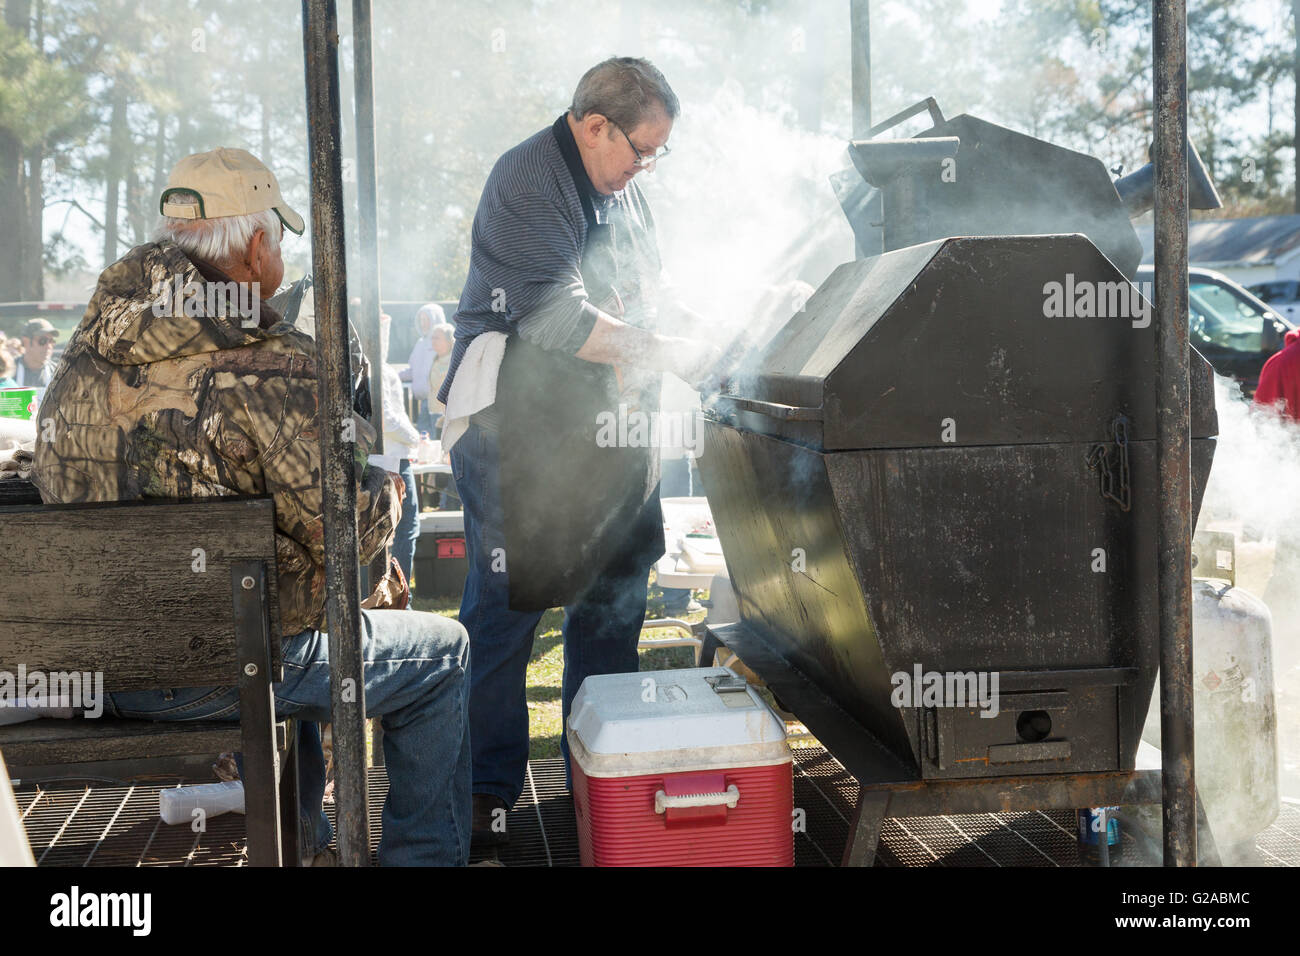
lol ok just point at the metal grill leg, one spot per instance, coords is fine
(709, 646)
(864, 831)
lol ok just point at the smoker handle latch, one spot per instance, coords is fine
(1114, 473)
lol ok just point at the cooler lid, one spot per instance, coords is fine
(685, 715)
(442, 522)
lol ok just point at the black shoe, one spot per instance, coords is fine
(488, 823)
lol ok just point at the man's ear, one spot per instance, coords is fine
(253, 255)
(595, 124)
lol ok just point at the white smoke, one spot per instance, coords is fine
(1256, 473)
(746, 205)
(1254, 492)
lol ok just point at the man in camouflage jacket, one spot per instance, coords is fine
(183, 382)
(151, 404)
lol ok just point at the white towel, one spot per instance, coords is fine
(475, 386)
(36, 707)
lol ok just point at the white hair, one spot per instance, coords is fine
(221, 240)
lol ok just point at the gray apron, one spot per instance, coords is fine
(572, 508)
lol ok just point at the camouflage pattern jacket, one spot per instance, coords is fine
(192, 405)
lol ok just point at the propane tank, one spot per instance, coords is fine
(1236, 717)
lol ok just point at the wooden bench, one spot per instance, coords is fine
(152, 595)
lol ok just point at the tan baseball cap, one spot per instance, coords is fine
(228, 182)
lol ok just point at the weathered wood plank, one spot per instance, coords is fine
(139, 591)
(54, 742)
(68, 741)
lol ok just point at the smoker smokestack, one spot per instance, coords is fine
(1137, 190)
(880, 161)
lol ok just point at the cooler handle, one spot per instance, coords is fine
(729, 798)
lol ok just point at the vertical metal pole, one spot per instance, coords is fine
(860, 54)
(1173, 435)
(363, 79)
(367, 215)
(368, 235)
(338, 463)
(860, 81)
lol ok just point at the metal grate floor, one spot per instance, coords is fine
(76, 822)
(79, 822)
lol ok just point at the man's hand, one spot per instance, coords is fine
(613, 342)
(400, 482)
(402, 590)
(391, 593)
(692, 360)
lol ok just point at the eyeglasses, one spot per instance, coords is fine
(45, 340)
(642, 162)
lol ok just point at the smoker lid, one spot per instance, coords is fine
(955, 342)
(1011, 183)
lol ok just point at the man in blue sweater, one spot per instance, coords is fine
(560, 331)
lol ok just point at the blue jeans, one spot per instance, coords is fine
(424, 417)
(600, 631)
(415, 666)
(408, 528)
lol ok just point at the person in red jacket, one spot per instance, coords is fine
(1279, 379)
(1279, 386)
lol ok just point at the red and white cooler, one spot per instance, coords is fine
(679, 768)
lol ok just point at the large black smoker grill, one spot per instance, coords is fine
(926, 470)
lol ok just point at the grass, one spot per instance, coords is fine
(546, 667)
